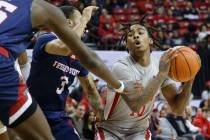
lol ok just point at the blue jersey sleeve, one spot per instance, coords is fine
(83, 71)
(38, 52)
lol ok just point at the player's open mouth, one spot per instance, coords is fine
(137, 44)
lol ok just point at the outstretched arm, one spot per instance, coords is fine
(57, 47)
(92, 93)
(44, 13)
(86, 16)
(93, 96)
(178, 101)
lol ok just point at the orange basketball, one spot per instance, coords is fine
(185, 65)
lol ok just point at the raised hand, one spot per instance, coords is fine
(87, 13)
(165, 60)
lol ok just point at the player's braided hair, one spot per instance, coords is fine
(151, 30)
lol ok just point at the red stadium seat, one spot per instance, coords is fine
(203, 16)
(120, 18)
(183, 24)
(146, 6)
(134, 17)
(182, 31)
(119, 11)
(132, 11)
(197, 23)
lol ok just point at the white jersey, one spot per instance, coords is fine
(119, 117)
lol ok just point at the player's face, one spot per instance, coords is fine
(138, 39)
(75, 20)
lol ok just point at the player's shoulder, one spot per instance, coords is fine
(41, 42)
(155, 59)
(46, 36)
(43, 39)
(122, 63)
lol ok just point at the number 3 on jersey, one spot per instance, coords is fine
(64, 82)
(5, 8)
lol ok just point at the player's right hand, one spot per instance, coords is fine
(132, 87)
(165, 61)
(87, 13)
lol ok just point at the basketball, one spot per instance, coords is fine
(185, 65)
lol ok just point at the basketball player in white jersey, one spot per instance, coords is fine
(127, 115)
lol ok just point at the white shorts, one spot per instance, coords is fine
(103, 134)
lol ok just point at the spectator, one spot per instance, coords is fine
(188, 118)
(159, 18)
(146, 6)
(206, 92)
(204, 104)
(154, 125)
(176, 39)
(169, 18)
(167, 130)
(70, 106)
(190, 12)
(106, 28)
(203, 33)
(201, 121)
(185, 130)
(78, 118)
(177, 12)
(179, 125)
(190, 36)
(89, 126)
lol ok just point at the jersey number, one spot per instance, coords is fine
(5, 7)
(64, 82)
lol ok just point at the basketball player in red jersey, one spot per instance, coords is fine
(17, 21)
(127, 116)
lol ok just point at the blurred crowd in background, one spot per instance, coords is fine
(180, 22)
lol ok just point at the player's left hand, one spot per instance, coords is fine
(87, 13)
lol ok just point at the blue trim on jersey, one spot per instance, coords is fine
(51, 75)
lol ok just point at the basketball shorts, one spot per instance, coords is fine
(62, 129)
(16, 103)
(103, 134)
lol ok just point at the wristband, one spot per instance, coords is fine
(3, 130)
(121, 89)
